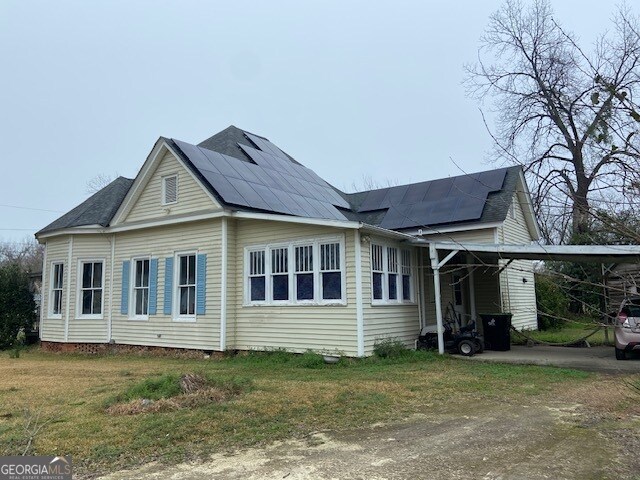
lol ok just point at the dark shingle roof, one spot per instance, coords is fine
(98, 209)
(485, 197)
(493, 201)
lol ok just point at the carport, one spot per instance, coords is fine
(440, 253)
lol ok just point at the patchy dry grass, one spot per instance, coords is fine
(245, 400)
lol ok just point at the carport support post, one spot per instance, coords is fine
(472, 289)
(433, 253)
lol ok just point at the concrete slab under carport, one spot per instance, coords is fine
(594, 359)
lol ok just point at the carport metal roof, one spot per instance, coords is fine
(571, 253)
(494, 252)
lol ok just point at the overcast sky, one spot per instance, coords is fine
(348, 88)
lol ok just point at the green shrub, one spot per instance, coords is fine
(390, 348)
(310, 359)
(552, 302)
(16, 304)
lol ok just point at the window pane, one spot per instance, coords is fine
(97, 302)
(377, 286)
(183, 271)
(393, 286)
(139, 301)
(281, 287)
(184, 300)
(57, 302)
(304, 286)
(145, 273)
(192, 270)
(86, 275)
(192, 300)
(97, 275)
(257, 289)
(332, 286)
(86, 302)
(145, 301)
(406, 287)
(138, 275)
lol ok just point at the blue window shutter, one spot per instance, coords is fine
(153, 286)
(168, 284)
(201, 285)
(124, 300)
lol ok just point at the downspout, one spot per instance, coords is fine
(359, 300)
(223, 288)
(419, 299)
(43, 290)
(66, 317)
(472, 289)
(113, 258)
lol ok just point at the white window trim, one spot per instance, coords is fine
(164, 195)
(317, 273)
(79, 272)
(385, 275)
(132, 297)
(50, 313)
(177, 317)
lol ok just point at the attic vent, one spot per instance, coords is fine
(169, 189)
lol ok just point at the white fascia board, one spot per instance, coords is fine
(136, 226)
(291, 219)
(542, 251)
(160, 148)
(524, 196)
(195, 179)
(71, 231)
(135, 190)
(383, 232)
(461, 228)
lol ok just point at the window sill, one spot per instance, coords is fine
(90, 317)
(392, 303)
(53, 317)
(139, 318)
(326, 303)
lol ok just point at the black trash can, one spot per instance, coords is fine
(497, 331)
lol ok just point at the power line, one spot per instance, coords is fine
(31, 208)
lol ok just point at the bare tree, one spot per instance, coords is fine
(567, 115)
(98, 182)
(27, 254)
(367, 182)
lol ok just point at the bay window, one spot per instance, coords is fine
(296, 273)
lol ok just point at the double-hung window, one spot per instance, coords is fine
(377, 269)
(330, 270)
(299, 272)
(55, 298)
(280, 274)
(407, 294)
(91, 285)
(391, 280)
(141, 287)
(187, 285)
(304, 282)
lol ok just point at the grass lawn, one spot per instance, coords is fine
(278, 396)
(571, 331)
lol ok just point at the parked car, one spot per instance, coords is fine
(627, 328)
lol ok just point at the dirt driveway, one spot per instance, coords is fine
(538, 440)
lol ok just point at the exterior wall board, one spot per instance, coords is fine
(294, 327)
(191, 195)
(517, 281)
